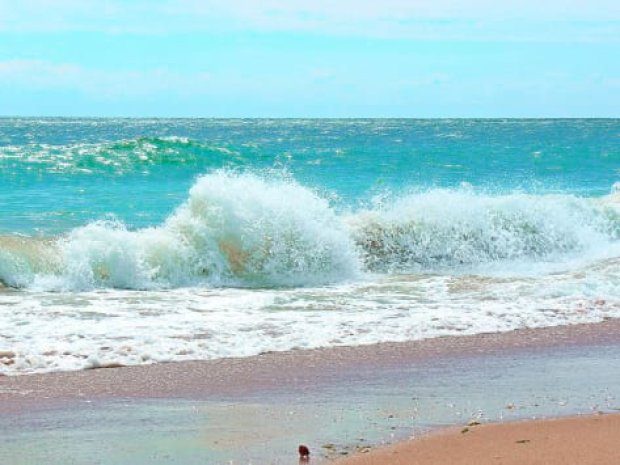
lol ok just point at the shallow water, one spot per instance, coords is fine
(353, 409)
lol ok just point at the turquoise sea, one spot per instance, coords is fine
(141, 240)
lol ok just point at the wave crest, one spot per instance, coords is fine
(234, 229)
(249, 230)
(442, 228)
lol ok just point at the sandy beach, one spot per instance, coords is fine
(338, 401)
(589, 440)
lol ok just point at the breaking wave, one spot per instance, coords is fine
(249, 230)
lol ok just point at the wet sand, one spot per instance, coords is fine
(337, 400)
(295, 369)
(593, 440)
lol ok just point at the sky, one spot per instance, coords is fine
(310, 58)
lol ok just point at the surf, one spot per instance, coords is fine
(244, 229)
(233, 230)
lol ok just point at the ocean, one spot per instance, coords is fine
(133, 241)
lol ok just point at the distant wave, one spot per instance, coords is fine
(250, 230)
(117, 157)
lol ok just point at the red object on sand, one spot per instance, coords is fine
(303, 451)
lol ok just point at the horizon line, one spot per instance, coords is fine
(307, 117)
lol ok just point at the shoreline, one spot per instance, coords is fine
(582, 440)
(337, 400)
(273, 370)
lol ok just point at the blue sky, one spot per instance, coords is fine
(389, 58)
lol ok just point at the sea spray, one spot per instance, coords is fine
(273, 232)
(257, 230)
(234, 230)
(444, 228)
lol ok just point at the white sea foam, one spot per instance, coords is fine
(234, 230)
(240, 230)
(440, 229)
(69, 331)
